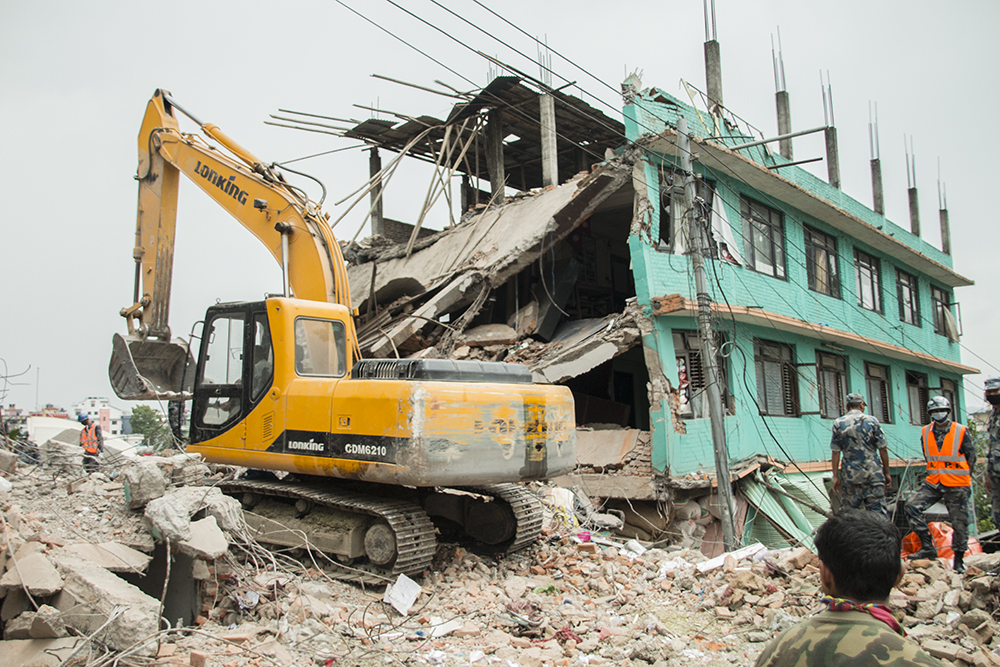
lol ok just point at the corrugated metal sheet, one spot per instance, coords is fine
(758, 495)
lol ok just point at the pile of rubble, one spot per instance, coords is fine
(85, 578)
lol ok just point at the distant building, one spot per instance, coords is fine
(101, 412)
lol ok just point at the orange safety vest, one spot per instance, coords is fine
(88, 439)
(945, 465)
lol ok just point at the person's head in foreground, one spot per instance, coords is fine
(859, 556)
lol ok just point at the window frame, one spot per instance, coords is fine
(690, 355)
(788, 378)
(836, 364)
(939, 302)
(750, 215)
(913, 285)
(339, 340)
(917, 395)
(951, 393)
(879, 384)
(874, 265)
(816, 241)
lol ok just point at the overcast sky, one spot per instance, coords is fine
(76, 77)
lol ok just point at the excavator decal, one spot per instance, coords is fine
(219, 181)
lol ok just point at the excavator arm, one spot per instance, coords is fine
(145, 363)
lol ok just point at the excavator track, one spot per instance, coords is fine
(527, 511)
(413, 530)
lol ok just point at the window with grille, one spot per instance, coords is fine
(909, 298)
(672, 207)
(917, 396)
(877, 392)
(831, 371)
(692, 375)
(777, 386)
(821, 262)
(939, 301)
(763, 238)
(869, 281)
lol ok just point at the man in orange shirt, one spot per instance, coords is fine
(92, 442)
(951, 457)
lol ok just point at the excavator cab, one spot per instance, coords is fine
(235, 368)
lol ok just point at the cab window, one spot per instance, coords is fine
(320, 347)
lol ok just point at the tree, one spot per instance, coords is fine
(147, 422)
(981, 499)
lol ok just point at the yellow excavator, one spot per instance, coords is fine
(383, 454)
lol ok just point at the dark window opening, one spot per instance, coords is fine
(821, 262)
(831, 371)
(692, 375)
(949, 389)
(917, 396)
(869, 281)
(909, 298)
(777, 386)
(763, 238)
(614, 392)
(877, 392)
(672, 209)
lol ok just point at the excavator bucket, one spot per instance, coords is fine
(143, 369)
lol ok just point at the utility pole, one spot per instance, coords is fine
(709, 360)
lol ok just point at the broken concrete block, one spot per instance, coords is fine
(27, 549)
(8, 461)
(89, 597)
(200, 571)
(14, 603)
(111, 556)
(490, 334)
(47, 624)
(207, 541)
(942, 650)
(38, 652)
(525, 321)
(36, 574)
(20, 627)
(169, 517)
(143, 481)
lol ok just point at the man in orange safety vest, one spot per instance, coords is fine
(92, 442)
(951, 457)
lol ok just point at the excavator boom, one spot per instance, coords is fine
(146, 363)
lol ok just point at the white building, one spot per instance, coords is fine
(102, 413)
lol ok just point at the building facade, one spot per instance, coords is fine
(101, 412)
(814, 296)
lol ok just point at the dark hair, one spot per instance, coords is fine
(861, 550)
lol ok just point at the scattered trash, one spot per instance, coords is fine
(402, 594)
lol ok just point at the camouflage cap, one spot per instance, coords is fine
(991, 384)
(855, 399)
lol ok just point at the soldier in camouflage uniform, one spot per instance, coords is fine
(858, 565)
(858, 443)
(951, 458)
(992, 387)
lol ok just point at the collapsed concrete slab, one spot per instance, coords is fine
(35, 574)
(111, 556)
(169, 517)
(92, 596)
(143, 482)
(38, 652)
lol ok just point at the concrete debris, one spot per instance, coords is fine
(207, 541)
(34, 573)
(111, 556)
(93, 598)
(38, 652)
(170, 516)
(47, 624)
(8, 462)
(142, 482)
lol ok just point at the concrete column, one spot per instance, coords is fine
(550, 155)
(713, 71)
(494, 153)
(832, 157)
(374, 167)
(914, 212)
(878, 201)
(945, 232)
(466, 204)
(582, 160)
(784, 123)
